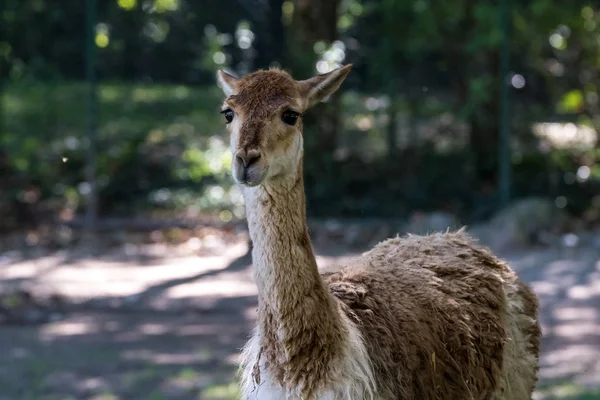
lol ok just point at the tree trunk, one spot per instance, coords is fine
(314, 21)
(484, 124)
(392, 129)
(485, 132)
(270, 42)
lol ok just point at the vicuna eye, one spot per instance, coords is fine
(228, 115)
(290, 117)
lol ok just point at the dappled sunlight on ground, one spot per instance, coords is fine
(66, 328)
(87, 278)
(173, 329)
(567, 283)
(218, 287)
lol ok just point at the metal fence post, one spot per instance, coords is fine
(92, 107)
(504, 157)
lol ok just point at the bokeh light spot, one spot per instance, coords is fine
(584, 172)
(557, 41)
(518, 81)
(102, 40)
(127, 4)
(561, 202)
(225, 216)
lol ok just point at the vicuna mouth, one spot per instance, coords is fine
(249, 176)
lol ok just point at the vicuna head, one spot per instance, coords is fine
(263, 112)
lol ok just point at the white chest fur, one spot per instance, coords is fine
(351, 376)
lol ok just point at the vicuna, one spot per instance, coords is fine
(418, 317)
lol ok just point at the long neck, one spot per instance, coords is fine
(299, 322)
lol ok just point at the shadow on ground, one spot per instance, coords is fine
(120, 354)
(123, 356)
(131, 346)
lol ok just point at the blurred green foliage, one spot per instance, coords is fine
(157, 145)
(417, 126)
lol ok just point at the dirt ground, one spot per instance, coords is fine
(156, 325)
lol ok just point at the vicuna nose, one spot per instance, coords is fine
(247, 158)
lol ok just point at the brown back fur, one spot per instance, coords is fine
(432, 312)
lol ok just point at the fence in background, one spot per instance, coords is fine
(144, 133)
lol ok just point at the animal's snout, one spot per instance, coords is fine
(249, 168)
(247, 158)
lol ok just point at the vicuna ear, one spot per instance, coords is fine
(318, 87)
(227, 82)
